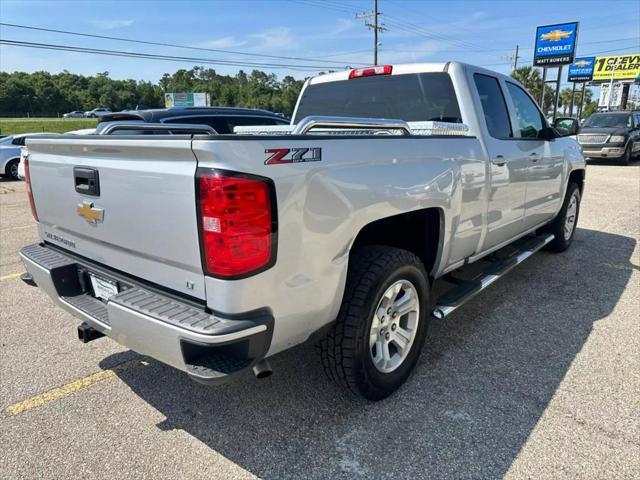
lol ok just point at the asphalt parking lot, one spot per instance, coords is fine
(539, 377)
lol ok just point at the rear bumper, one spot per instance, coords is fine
(210, 347)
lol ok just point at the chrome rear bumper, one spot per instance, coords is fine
(209, 347)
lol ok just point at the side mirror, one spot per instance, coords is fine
(548, 133)
(566, 126)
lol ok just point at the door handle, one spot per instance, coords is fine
(534, 157)
(498, 160)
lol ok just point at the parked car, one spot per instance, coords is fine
(611, 135)
(222, 119)
(24, 151)
(10, 153)
(97, 112)
(213, 252)
(74, 114)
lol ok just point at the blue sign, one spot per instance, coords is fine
(581, 70)
(555, 44)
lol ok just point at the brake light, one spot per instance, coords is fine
(24, 158)
(371, 71)
(237, 223)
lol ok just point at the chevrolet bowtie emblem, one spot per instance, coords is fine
(90, 213)
(555, 35)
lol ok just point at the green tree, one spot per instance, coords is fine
(42, 93)
(531, 79)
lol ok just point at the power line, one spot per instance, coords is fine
(377, 28)
(161, 44)
(151, 56)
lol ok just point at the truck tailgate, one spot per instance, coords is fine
(142, 221)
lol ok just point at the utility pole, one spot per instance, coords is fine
(513, 57)
(375, 26)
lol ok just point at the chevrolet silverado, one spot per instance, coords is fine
(212, 252)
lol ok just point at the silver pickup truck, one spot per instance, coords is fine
(213, 252)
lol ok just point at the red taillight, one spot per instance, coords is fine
(24, 157)
(237, 223)
(371, 71)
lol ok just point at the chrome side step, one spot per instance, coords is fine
(466, 290)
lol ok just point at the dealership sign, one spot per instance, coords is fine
(186, 100)
(617, 67)
(581, 70)
(555, 44)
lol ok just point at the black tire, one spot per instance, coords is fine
(345, 351)
(11, 169)
(561, 242)
(626, 158)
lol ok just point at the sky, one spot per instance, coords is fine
(313, 35)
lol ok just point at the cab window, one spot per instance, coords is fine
(530, 121)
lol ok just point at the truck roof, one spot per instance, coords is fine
(398, 69)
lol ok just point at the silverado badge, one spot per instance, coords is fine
(90, 213)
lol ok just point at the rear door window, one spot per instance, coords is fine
(494, 106)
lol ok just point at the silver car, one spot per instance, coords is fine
(74, 114)
(10, 147)
(97, 112)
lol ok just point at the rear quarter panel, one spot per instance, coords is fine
(323, 205)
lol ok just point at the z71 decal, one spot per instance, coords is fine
(292, 155)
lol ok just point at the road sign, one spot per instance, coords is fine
(581, 70)
(555, 44)
(623, 67)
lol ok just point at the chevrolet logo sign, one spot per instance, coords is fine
(555, 35)
(90, 213)
(582, 63)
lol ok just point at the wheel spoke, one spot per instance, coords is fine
(401, 339)
(386, 356)
(378, 358)
(406, 303)
(374, 337)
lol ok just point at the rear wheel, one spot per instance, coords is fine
(563, 227)
(381, 327)
(11, 170)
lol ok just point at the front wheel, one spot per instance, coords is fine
(563, 227)
(626, 158)
(381, 327)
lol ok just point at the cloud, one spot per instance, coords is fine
(223, 42)
(274, 38)
(342, 25)
(111, 24)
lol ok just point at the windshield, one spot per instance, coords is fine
(408, 97)
(608, 120)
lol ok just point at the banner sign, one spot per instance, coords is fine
(555, 44)
(581, 70)
(623, 67)
(186, 100)
(610, 98)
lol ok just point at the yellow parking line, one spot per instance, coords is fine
(10, 276)
(72, 387)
